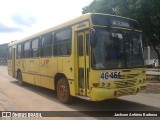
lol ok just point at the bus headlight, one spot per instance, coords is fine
(95, 84)
(108, 84)
(103, 84)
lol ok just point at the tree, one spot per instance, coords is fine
(100, 6)
(147, 12)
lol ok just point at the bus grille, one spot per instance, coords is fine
(126, 83)
(131, 76)
(126, 91)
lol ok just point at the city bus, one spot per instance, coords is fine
(93, 57)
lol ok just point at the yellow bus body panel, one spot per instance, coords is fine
(42, 71)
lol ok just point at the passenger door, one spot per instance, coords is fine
(83, 62)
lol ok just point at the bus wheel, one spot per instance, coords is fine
(20, 81)
(63, 91)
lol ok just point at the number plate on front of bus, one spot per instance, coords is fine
(110, 75)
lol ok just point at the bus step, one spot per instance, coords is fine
(83, 97)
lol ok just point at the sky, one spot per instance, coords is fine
(20, 18)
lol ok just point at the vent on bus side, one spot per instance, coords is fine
(131, 75)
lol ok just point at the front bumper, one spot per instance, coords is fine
(98, 94)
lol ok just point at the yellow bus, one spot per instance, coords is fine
(94, 57)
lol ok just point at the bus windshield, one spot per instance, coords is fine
(116, 48)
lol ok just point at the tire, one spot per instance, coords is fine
(20, 81)
(63, 91)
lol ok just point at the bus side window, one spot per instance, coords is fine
(62, 43)
(87, 44)
(26, 49)
(80, 45)
(35, 48)
(19, 51)
(10, 53)
(46, 45)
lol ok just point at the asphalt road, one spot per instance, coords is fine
(33, 98)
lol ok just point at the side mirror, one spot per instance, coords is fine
(93, 38)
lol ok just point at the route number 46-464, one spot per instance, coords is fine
(110, 75)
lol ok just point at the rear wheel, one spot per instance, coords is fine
(63, 92)
(20, 81)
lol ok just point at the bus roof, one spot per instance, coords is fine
(66, 24)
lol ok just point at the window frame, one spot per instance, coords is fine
(17, 51)
(80, 45)
(32, 49)
(29, 50)
(10, 53)
(45, 46)
(62, 42)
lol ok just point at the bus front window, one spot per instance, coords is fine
(116, 49)
(134, 53)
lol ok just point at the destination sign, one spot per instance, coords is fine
(115, 21)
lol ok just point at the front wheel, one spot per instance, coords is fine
(63, 92)
(20, 81)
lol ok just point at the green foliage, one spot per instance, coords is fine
(147, 12)
(100, 6)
